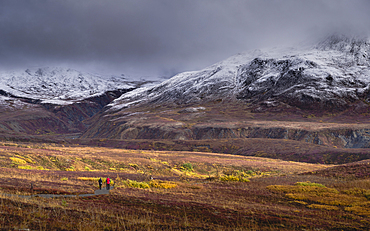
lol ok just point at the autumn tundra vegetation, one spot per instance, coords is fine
(176, 190)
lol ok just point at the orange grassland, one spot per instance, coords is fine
(168, 190)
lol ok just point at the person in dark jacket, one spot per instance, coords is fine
(108, 183)
(100, 183)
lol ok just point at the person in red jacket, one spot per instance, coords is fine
(108, 183)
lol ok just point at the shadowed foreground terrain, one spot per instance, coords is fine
(168, 190)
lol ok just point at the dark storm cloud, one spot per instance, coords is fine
(154, 37)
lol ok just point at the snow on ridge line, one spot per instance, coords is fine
(58, 85)
(313, 70)
(209, 75)
(177, 81)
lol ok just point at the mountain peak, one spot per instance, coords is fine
(331, 75)
(343, 42)
(355, 46)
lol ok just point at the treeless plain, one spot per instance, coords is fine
(169, 190)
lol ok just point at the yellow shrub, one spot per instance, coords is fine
(323, 207)
(176, 171)
(300, 202)
(296, 196)
(359, 210)
(134, 165)
(300, 189)
(362, 203)
(308, 183)
(29, 160)
(162, 184)
(25, 167)
(327, 198)
(10, 144)
(358, 192)
(339, 199)
(26, 159)
(134, 184)
(18, 160)
(233, 178)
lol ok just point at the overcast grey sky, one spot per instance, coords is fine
(162, 37)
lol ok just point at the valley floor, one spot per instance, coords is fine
(168, 190)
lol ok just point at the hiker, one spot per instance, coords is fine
(100, 183)
(108, 182)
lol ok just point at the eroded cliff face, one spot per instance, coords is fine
(227, 120)
(334, 137)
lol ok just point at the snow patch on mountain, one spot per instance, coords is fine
(58, 85)
(332, 73)
(10, 104)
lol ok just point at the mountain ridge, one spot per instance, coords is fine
(58, 85)
(338, 68)
(52, 100)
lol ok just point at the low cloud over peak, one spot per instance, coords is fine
(162, 37)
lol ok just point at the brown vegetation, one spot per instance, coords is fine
(190, 191)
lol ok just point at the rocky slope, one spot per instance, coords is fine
(326, 83)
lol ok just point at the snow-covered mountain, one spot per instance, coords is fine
(329, 74)
(56, 100)
(58, 85)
